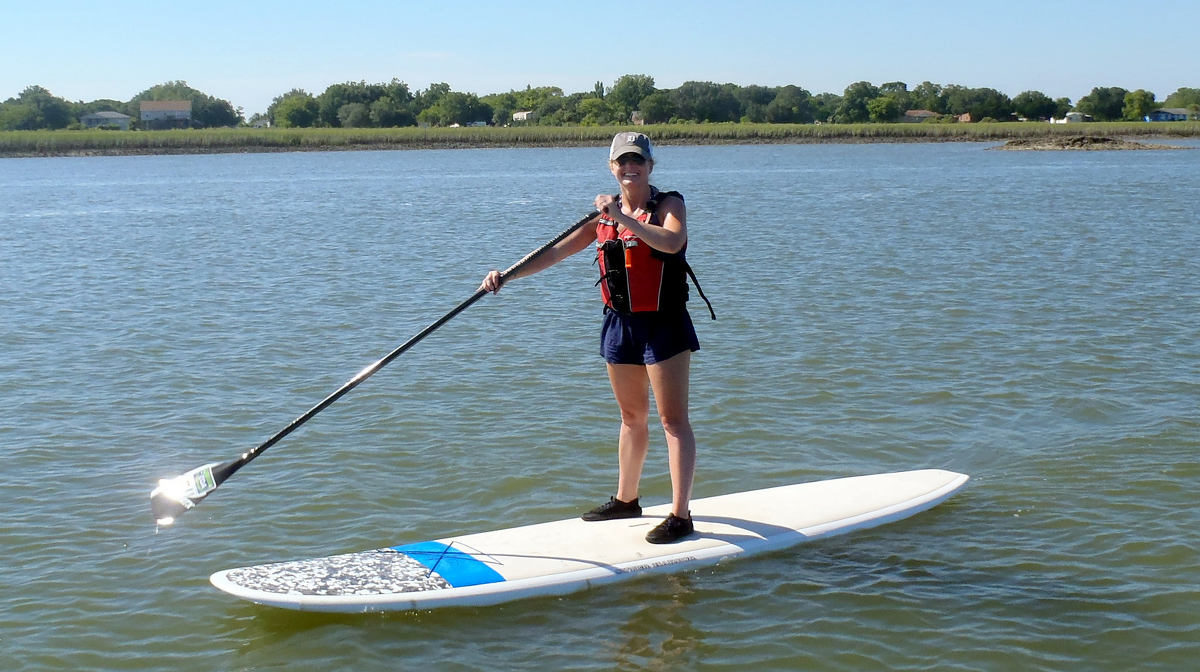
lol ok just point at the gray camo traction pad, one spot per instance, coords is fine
(381, 572)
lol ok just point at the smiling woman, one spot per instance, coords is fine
(647, 337)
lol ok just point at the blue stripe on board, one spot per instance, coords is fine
(457, 567)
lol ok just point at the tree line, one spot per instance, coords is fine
(394, 104)
(38, 109)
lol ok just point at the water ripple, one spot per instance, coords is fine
(881, 308)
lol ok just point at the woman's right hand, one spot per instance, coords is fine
(492, 282)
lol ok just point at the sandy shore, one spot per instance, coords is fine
(1080, 143)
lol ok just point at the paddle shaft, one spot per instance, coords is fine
(227, 469)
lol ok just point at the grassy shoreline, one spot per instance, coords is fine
(224, 140)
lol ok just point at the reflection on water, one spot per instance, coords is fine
(658, 634)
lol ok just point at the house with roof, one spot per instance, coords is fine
(917, 116)
(166, 113)
(1072, 118)
(105, 120)
(1168, 114)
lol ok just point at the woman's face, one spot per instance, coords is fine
(631, 169)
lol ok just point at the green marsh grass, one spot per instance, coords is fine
(85, 142)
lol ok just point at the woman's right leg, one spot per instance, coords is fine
(631, 388)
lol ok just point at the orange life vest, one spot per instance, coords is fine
(635, 277)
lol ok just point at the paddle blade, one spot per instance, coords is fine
(175, 496)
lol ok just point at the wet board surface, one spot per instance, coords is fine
(567, 555)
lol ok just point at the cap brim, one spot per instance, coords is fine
(616, 152)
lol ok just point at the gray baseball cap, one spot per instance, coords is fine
(630, 143)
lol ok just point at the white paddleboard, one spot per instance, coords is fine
(568, 555)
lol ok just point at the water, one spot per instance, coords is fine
(1028, 318)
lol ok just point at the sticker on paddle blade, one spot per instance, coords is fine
(174, 496)
(202, 481)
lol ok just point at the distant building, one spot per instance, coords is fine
(917, 116)
(104, 119)
(1168, 114)
(523, 116)
(1072, 118)
(166, 113)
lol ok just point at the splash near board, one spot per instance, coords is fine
(568, 555)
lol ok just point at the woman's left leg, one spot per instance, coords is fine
(669, 381)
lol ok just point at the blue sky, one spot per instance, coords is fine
(249, 52)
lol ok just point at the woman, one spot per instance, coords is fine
(647, 338)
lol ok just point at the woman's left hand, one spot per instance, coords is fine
(603, 201)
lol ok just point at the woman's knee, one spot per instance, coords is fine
(676, 425)
(635, 417)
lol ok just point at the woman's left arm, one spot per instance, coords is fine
(671, 236)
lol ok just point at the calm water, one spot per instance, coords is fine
(1028, 318)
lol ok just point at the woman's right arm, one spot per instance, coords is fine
(579, 240)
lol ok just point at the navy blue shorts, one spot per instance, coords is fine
(646, 338)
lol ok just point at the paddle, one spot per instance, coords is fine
(175, 496)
